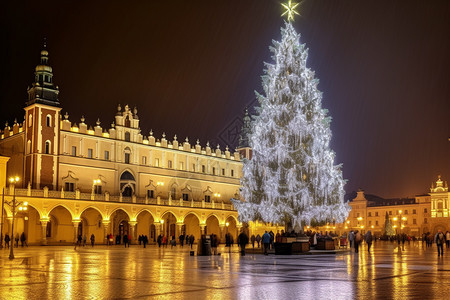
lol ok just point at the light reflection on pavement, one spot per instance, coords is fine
(59, 272)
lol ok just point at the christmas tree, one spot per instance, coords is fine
(388, 229)
(291, 178)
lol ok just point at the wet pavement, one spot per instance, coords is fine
(117, 273)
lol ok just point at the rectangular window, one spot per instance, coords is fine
(203, 168)
(207, 198)
(232, 173)
(74, 151)
(425, 210)
(223, 172)
(127, 158)
(376, 223)
(106, 155)
(69, 187)
(414, 221)
(90, 153)
(150, 194)
(376, 214)
(414, 212)
(156, 162)
(98, 189)
(425, 221)
(406, 211)
(390, 212)
(370, 214)
(169, 164)
(185, 197)
(214, 171)
(144, 160)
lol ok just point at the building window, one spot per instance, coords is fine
(173, 193)
(425, 210)
(49, 121)
(203, 168)
(169, 164)
(193, 167)
(127, 136)
(144, 160)
(425, 221)
(106, 155)
(370, 214)
(414, 221)
(90, 153)
(74, 151)
(47, 147)
(127, 158)
(223, 172)
(390, 212)
(370, 223)
(232, 173)
(376, 214)
(185, 197)
(150, 194)
(214, 171)
(406, 211)
(207, 198)
(376, 223)
(181, 165)
(97, 189)
(156, 162)
(69, 187)
(414, 212)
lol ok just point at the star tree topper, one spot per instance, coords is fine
(290, 10)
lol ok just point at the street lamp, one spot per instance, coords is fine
(22, 206)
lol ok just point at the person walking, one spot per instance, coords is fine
(447, 239)
(272, 239)
(368, 238)
(253, 239)
(266, 242)
(351, 238)
(23, 239)
(214, 243)
(181, 238)
(92, 240)
(164, 241)
(159, 241)
(16, 239)
(144, 240)
(357, 241)
(191, 240)
(126, 241)
(242, 241)
(7, 239)
(439, 239)
(78, 241)
(258, 239)
(111, 239)
(84, 240)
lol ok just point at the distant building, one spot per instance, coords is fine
(414, 216)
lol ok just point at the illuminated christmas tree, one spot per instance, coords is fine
(291, 178)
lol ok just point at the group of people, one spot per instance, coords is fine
(22, 238)
(163, 240)
(355, 239)
(82, 240)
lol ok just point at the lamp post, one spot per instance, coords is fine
(14, 204)
(1, 224)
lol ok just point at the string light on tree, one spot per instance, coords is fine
(291, 178)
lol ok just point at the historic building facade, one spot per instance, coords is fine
(81, 179)
(414, 216)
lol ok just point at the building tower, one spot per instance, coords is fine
(244, 144)
(42, 120)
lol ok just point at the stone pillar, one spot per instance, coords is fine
(222, 228)
(75, 229)
(132, 231)
(158, 229)
(178, 228)
(44, 231)
(202, 228)
(105, 230)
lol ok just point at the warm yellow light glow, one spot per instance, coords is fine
(400, 211)
(20, 208)
(346, 227)
(404, 218)
(372, 226)
(307, 227)
(227, 224)
(25, 203)
(348, 222)
(359, 218)
(160, 183)
(395, 219)
(290, 10)
(217, 195)
(395, 226)
(91, 132)
(25, 208)
(362, 226)
(74, 129)
(106, 134)
(162, 221)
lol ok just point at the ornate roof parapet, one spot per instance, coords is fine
(439, 186)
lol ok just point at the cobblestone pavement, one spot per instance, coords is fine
(57, 272)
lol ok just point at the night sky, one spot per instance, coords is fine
(191, 68)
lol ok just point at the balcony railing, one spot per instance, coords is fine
(106, 197)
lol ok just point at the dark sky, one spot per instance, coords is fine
(191, 67)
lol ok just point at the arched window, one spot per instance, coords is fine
(127, 121)
(127, 154)
(127, 136)
(47, 147)
(49, 121)
(127, 176)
